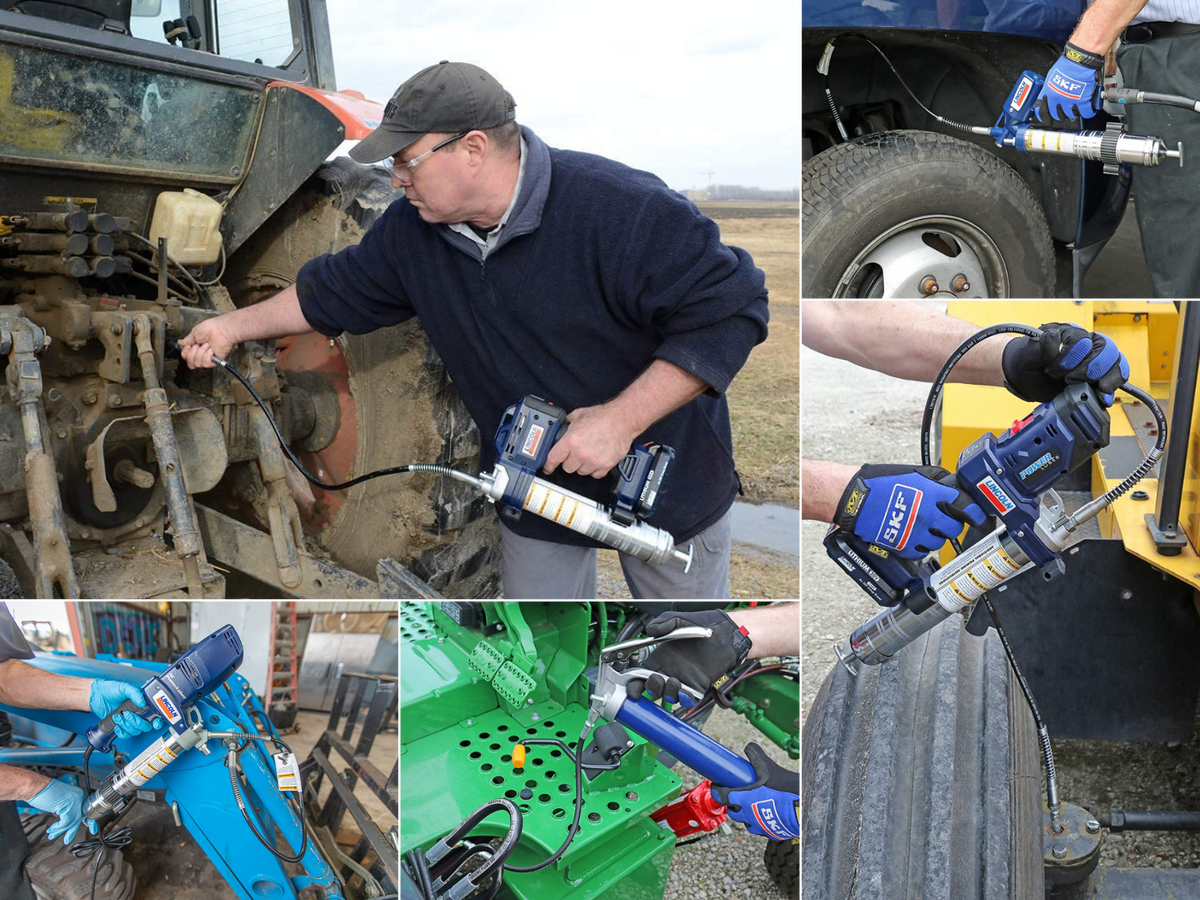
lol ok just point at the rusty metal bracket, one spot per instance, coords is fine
(115, 333)
(250, 550)
(22, 340)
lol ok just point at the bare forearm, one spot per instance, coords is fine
(900, 339)
(279, 316)
(31, 688)
(20, 784)
(822, 484)
(661, 389)
(773, 630)
(1103, 22)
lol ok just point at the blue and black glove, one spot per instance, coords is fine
(909, 510)
(768, 807)
(106, 696)
(66, 801)
(1070, 88)
(1039, 370)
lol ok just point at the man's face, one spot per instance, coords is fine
(440, 185)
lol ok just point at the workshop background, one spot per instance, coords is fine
(333, 640)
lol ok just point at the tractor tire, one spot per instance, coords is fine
(57, 875)
(885, 212)
(922, 778)
(782, 859)
(397, 406)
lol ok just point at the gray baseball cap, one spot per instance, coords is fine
(450, 97)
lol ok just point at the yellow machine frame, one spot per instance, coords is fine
(1147, 333)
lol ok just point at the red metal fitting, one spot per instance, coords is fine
(693, 812)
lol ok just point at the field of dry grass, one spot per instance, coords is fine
(764, 399)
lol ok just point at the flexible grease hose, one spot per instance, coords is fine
(343, 485)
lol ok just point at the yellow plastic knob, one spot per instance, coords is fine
(518, 756)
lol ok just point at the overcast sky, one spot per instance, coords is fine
(676, 88)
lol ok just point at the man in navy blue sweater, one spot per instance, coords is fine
(542, 271)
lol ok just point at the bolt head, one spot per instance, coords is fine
(1093, 827)
(535, 717)
(114, 401)
(1059, 851)
(470, 721)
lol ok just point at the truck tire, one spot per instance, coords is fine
(885, 212)
(922, 778)
(782, 859)
(57, 875)
(396, 402)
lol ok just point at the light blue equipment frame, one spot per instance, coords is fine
(198, 784)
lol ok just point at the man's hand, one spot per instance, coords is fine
(206, 339)
(1070, 88)
(597, 440)
(768, 808)
(1040, 370)
(106, 696)
(66, 801)
(910, 510)
(697, 662)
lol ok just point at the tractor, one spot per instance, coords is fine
(159, 166)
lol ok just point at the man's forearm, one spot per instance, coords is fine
(773, 630)
(822, 485)
(900, 339)
(31, 688)
(1103, 23)
(279, 316)
(661, 389)
(20, 784)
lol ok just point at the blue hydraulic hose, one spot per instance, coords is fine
(691, 747)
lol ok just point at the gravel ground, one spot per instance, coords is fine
(726, 866)
(859, 416)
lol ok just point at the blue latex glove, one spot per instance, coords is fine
(108, 695)
(66, 801)
(909, 510)
(769, 808)
(1069, 91)
(1040, 369)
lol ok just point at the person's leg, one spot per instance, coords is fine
(14, 848)
(540, 570)
(1166, 196)
(706, 579)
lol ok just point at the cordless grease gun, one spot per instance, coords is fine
(1010, 477)
(169, 695)
(1017, 129)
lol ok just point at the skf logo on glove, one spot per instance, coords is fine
(901, 514)
(768, 817)
(1068, 87)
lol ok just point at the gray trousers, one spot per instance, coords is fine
(541, 570)
(1167, 196)
(14, 848)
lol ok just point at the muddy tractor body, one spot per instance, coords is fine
(480, 677)
(123, 473)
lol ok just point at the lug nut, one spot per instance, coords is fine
(929, 285)
(960, 284)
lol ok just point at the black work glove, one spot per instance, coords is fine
(909, 510)
(697, 663)
(1039, 370)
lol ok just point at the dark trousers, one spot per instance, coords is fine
(1167, 197)
(14, 848)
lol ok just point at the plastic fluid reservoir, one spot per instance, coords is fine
(190, 221)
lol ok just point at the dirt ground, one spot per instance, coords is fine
(856, 416)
